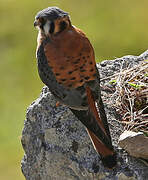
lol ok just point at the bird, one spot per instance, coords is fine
(66, 65)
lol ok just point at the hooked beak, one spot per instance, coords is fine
(36, 23)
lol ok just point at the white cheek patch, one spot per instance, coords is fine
(47, 27)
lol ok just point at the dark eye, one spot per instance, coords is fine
(63, 25)
(51, 28)
(42, 21)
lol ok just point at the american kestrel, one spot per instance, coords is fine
(66, 64)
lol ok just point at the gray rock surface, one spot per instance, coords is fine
(57, 146)
(136, 144)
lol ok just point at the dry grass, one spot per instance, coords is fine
(131, 97)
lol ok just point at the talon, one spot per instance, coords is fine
(57, 103)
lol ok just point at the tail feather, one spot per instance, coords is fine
(93, 109)
(99, 146)
(103, 116)
(89, 122)
(102, 119)
(98, 129)
(108, 156)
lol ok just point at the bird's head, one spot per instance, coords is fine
(51, 21)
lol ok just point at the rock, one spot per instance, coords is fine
(57, 146)
(136, 144)
(122, 176)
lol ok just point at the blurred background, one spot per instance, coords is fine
(115, 28)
